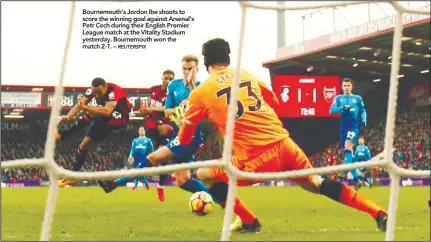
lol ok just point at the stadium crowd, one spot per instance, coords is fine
(412, 142)
(412, 147)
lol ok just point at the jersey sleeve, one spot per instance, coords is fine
(362, 109)
(89, 95)
(132, 149)
(196, 109)
(368, 153)
(335, 107)
(116, 94)
(150, 147)
(169, 100)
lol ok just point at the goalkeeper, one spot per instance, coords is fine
(178, 93)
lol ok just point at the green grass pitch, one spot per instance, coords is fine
(286, 213)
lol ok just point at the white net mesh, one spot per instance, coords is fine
(384, 159)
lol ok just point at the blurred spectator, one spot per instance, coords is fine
(411, 143)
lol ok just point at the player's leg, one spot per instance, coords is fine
(95, 134)
(144, 180)
(135, 184)
(78, 125)
(365, 176)
(184, 154)
(350, 137)
(160, 156)
(216, 179)
(162, 180)
(80, 156)
(293, 158)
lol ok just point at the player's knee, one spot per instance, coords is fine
(181, 177)
(348, 145)
(313, 185)
(203, 174)
(86, 143)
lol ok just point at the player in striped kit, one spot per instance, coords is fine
(177, 97)
(158, 127)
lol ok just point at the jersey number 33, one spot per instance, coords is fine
(240, 106)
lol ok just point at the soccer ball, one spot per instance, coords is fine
(201, 203)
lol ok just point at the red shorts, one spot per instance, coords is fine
(284, 155)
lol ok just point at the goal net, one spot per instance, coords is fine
(383, 159)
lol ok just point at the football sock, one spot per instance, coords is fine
(219, 191)
(192, 185)
(162, 179)
(243, 212)
(79, 159)
(123, 180)
(136, 183)
(346, 195)
(145, 181)
(348, 157)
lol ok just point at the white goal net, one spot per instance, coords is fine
(383, 159)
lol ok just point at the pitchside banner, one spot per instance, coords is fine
(405, 182)
(21, 100)
(68, 100)
(21, 184)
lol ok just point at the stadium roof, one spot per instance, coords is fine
(367, 54)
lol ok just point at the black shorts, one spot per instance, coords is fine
(100, 128)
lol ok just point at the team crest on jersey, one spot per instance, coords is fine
(88, 92)
(354, 101)
(329, 94)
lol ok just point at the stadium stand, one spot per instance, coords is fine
(26, 140)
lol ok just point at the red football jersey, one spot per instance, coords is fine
(120, 115)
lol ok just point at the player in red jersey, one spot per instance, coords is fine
(331, 162)
(157, 126)
(109, 113)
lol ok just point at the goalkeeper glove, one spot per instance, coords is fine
(178, 115)
(364, 123)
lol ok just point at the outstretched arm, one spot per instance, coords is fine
(150, 147)
(100, 111)
(196, 111)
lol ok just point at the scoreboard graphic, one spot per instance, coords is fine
(306, 96)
